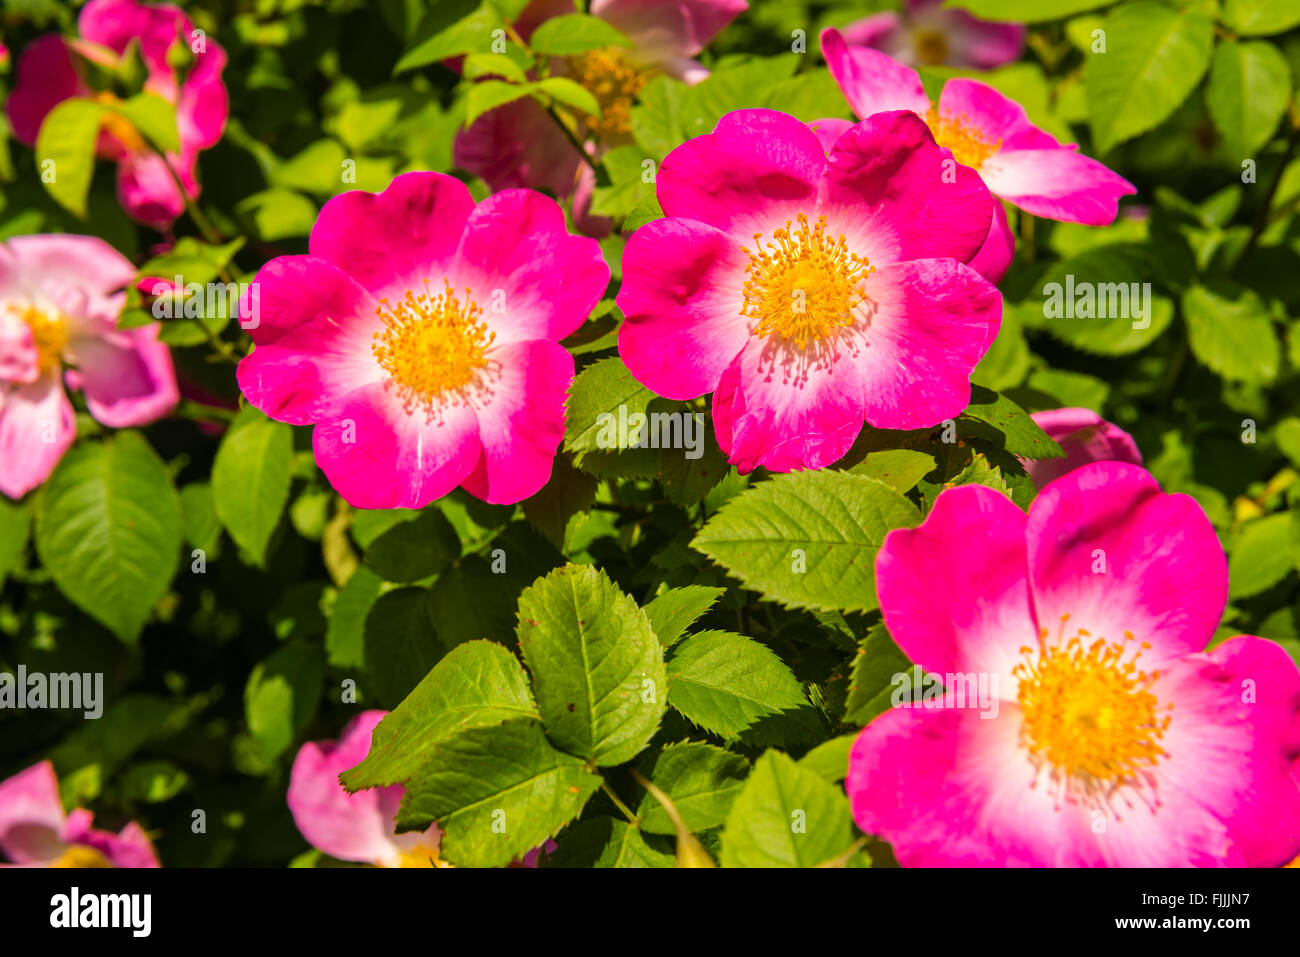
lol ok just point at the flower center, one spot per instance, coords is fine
(931, 46)
(1090, 716)
(49, 336)
(79, 855)
(968, 144)
(432, 346)
(614, 82)
(802, 286)
(122, 129)
(420, 856)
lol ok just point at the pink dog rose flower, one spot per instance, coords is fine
(1086, 437)
(49, 72)
(60, 297)
(928, 34)
(989, 133)
(1109, 737)
(36, 832)
(520, 145)
(810, 293)
(421, 337)
(353, 827)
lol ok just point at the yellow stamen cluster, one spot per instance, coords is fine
(1091, 720)
(802, 287)
(49, 335)
(969, 145)
(79, 855)
(433, 347)
(931, 47)
(421, 856)
(614, 82)
(118, 125)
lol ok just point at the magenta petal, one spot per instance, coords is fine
(127, 375)
(928, 324)
(1115, 554)
(391, 242)
(350, 827)
(1086, 437)
(661, 31)
(313, 336)
(994, 114)
(683, 285)
(519, 145)
(949, 787)
(999, 249)
(757, 167)
(37, 425)
(880, 31)
(521, 421)
(46, 77)
(981, 44)
(955, 590)
(767, 414)
(828, 131)
(147, 190)
(897, 195)
(377, 455)
(31, 815)
(1057, 184)
(531, 278)
(19, 360)
(871, 81)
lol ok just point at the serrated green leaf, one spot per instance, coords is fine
(1229, 329)
(830, 760)
(108, 529)
(1263, 555)
(900, 469)
(786, 816)
(678, 608)
(597, 668)
(1007, 425)
(1154, 58)
(702, 781)
(478, 684)
(871, 682)
(739, 689)
(808, 539)
(489, 94)
(598, 394)
(603, 842)
(250, 480)
(1250, 84)
(566, 91)
(497, 792)
(444, 36)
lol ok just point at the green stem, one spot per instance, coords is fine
(618, 802)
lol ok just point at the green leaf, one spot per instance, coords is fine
(346, 630)
(1229, 329)
(900, 469)
(441, 37)
(1028, 11)
(416, 549)
(566, 91)
(1007, 425)
(489, 94)
(1250, 84)
(678, 608)
(65, 151)
(569, 492)
(1092, 301)
(1154, 58)
(478, 684)
(1262, 556)
(470, 601)
(199, 520)
(786, 816)
(15, 529)
(250, 480)
(575, 33)
(602, 842)
(808, 539)
(497, 792)
(871, 682)
(597, 668)
(493, 64)
(154, 117)
(739, 689)
(830, 760)
(108, 529)
(400, 644)
(281, 696)
(595, 400)
(1261, 17)
(702, 781)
